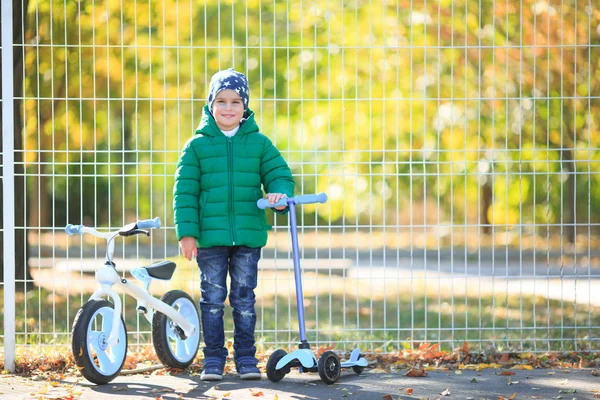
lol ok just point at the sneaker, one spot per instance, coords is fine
(213, 369)
(247, 369)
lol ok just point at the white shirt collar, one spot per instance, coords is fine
(231, 132)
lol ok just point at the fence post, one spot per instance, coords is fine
(8, 182)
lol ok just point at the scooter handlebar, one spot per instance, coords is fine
(311, 198)
(304, 199)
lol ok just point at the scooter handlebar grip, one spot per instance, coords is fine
(73, 229)
(311, 198)
(149, 223)
(264, 203)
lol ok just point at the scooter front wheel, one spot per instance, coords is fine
(330, 367)
(98, 361)
(273, 373)
(172, 347)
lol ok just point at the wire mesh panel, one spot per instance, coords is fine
(457, 141)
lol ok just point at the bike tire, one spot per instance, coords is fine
(171, 349)
(96, 360)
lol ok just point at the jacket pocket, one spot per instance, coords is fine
(202, 205)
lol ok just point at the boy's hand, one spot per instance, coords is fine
(275, 197)
(188, 247)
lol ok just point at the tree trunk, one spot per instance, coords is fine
(20, 207)
(486, 203)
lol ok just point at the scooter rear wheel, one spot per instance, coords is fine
(273, 373)
(358, 370)
(330, 367)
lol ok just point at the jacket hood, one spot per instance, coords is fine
(208, 125)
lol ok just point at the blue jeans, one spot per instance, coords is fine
(242, 264)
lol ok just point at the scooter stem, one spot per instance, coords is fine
(297, 271)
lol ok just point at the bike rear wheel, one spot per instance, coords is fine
(172, 347)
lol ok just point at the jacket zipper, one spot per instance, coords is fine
(230, 162)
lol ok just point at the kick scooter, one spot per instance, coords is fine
(99, 335)
(280, 363)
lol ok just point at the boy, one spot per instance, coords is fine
(217, 184)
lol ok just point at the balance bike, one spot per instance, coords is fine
(99, 335)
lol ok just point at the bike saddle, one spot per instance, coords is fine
(161, 270)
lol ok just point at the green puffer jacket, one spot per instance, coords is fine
(218, 182)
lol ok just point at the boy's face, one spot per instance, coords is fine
(228, 109)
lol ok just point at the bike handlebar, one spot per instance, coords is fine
(142, 224)
(149, 223)
(304, 199)
(74, 229)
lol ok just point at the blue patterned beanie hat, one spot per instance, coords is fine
(229, 79)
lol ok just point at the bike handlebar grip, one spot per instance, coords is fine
(149, 223)
(311, 198)
(264, 203)
(73, 229)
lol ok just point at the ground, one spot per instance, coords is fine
(371, 384)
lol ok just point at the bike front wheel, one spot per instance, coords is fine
(98, 361)
(172, 347)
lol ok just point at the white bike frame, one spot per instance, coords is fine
(107, 276)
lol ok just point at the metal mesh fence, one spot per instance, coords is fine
(457, 141)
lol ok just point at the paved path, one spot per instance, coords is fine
(372, 384)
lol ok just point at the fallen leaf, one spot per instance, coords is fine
(423, 346)
(256, 393)
(482, 366)
(507, 373)
(416, 373)
(465, 347)
(583, 363)
(44, 390)
(564, 381)
(568, 391)
(505, 360)
(409, 391)
(276, 397)
(227, 394)
(595, 372)
(388, 397)
(523, 366)
(446, 392)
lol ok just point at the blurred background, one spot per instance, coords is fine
(458, 142)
